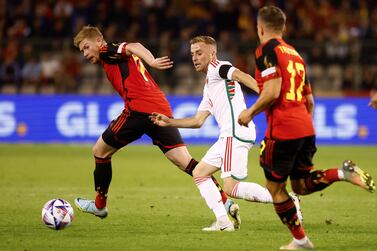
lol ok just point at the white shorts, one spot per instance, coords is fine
(231, 155)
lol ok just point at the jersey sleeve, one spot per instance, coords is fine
(268, 62)
(221, 69)
(113, 53)
(206, 103)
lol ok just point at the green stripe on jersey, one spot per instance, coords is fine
(230, 91)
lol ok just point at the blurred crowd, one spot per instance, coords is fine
(338, 39)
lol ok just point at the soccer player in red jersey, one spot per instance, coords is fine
(289, 144)
(123, 64)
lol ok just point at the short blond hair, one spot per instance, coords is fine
(204, 39)
(86, 32)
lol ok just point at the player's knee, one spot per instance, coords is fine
(276, 190)
(99, 152)
(95, 150)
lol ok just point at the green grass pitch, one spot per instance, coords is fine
(154, 206)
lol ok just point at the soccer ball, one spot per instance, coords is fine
(57, 214)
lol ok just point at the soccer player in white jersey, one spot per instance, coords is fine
(223, 98)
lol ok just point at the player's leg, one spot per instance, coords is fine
(169, 140)
(181, 157)
(102, 153)
(102, 177)
(249, 191)
(287, 212)
(320, 179)
(125, 129)
(208, 190)
(234, 170)
(304, 182)
(277, 158)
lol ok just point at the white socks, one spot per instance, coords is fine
(341, 174)
(301, 241)
(212, 196)
(251, 192)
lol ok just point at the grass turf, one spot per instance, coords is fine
(154, 206)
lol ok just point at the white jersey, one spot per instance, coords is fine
(225, 101)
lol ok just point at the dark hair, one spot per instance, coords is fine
(273, 17)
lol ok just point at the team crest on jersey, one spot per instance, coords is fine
(266, 62)
(230, 88)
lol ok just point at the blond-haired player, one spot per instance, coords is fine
(223, 98)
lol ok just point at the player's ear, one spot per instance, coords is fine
(262, 30)
(99, 40)
(212, 52)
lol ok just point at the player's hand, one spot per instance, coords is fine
(159, 119)
(244, 118)
(162, 63)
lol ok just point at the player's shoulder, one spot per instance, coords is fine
(216, 64)
(113, 52)
(266, 54)
(267, 48)
(216, 67)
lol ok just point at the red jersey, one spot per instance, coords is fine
(288, 117)
(132, 81)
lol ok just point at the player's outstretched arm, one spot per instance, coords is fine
(139, 50)
(191, 122)
(245, 79)
(271, 91)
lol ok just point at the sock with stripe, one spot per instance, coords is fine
(102, 178)
(212, 197)
(320, 179)
(288, 215)
(191, 166)
(251, 192)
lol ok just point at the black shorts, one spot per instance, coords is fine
(292, 158)
(130, 126)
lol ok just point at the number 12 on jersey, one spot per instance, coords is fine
(295, 68)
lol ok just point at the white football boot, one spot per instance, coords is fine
(356, 176)
(294, 245)
(233, 210)
(296, 201)
(216, 227)
(89, 206)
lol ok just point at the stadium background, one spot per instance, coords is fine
(38, 62)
